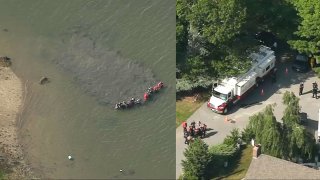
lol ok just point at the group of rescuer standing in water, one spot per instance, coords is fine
(152, 90)
(191, 132)
(146, 97)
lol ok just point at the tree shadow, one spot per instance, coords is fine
(223, 177)
(311, 125)
(243, 105)
(216, 170)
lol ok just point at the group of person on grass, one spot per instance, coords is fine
(193, 131)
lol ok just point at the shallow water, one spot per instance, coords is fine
(94, 53)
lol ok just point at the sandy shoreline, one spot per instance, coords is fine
(12, 162)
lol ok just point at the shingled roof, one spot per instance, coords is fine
(268, 167)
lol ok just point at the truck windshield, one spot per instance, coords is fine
(219, 95)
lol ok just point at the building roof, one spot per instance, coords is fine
(268, 167)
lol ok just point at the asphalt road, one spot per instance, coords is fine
(256, 102)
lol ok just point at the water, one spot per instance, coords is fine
(94, 53)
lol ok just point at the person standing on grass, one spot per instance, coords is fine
(301, 88)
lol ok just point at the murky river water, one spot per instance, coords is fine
(94, 53)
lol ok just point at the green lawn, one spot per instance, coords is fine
(185, 108)
(236, 169)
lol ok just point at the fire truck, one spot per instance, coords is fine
(232, 89)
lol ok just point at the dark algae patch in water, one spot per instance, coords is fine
(101, 72)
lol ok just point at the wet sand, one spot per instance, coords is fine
(12, 163)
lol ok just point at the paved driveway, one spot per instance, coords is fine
(254, 103)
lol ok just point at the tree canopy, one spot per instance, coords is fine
(267, 131)
(217, 20)
(289, 139)
(214, 37)
(206, 35)
(307, 39)
(197, 158)
(298, 142)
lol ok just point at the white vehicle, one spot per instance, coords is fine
(231, 90)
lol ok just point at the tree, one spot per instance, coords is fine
(277, 16)
(197, 159)
(292, 112)
(233, 64)
(217, 20)
(288, 140)
(297, 140)
(307, 38)
(267, 132)
(221, 153)
(256, 125)
(231, 140)
(271, 134)
(196, 67)
(209, 44)
(182, 10)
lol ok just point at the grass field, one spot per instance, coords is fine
(187, 106)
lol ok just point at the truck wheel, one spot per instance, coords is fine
(225, 111)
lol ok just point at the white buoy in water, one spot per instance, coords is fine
(120, 170)
(70, 157)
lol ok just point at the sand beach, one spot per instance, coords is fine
(12, 162)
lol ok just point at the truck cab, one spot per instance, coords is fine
(221, 99)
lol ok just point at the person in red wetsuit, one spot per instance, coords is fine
(160, 85)
(156, 88)
(184, 126)
(146, 96)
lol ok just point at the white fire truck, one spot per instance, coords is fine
(231, 90)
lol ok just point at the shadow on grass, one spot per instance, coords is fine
(200, 95)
